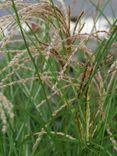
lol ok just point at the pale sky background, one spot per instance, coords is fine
(77, 6)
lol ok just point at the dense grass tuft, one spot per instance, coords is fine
(57, 96)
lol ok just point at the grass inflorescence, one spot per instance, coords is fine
(57, 96)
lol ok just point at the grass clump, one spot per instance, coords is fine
(62, 92)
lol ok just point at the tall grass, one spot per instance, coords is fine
(57, 96)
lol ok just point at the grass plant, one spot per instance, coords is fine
(57, 96)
